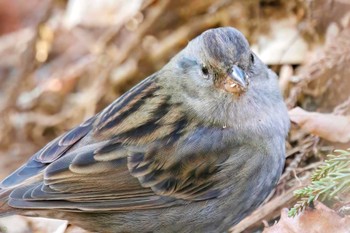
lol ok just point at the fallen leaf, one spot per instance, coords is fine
(100, 13)
(335, 128)
(47, 225)
(321, 219)
(14, 224)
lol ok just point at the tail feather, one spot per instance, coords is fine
(5, 209)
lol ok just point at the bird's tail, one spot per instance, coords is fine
(5, 209)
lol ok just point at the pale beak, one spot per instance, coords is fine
(239, 77)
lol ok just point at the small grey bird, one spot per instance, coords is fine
(195, 147)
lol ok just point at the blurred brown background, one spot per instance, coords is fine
(61, 61)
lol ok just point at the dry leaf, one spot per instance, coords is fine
(335, 128)
(283, 45)
(14, 224)
(20, 224)
(100, 13)
(47, 225)
(321, 219)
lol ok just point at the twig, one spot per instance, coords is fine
(27, 65)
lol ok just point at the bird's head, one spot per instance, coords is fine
(220, 58)
(218, 75)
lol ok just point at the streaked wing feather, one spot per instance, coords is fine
(127, 204)
(58, 147)
(188, 171)
(51, 152)
(151, 159)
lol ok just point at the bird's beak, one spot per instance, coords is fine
(236, 81)
(239, 77)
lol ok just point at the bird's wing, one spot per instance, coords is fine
(141, 152)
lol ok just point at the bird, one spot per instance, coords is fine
(194, 147)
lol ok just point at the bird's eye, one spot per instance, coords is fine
(252, 58)
(205, 70)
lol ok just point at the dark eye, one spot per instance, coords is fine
(205, 70)
(252, 58)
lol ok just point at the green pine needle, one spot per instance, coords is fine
(327, 181)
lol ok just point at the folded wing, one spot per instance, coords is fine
(141, 152)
